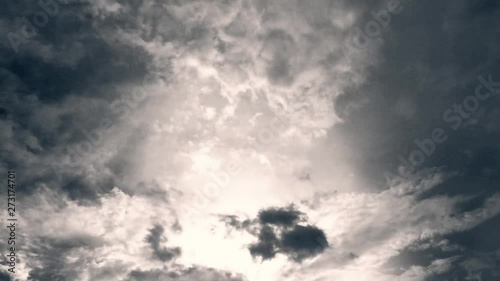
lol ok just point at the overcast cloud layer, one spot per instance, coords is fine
(255, 140)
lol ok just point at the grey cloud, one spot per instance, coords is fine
(420, 253)
(234, 221)
(474, 253)
(51, 256)
(155, 238)
(184, 274)
(299, 243)
(84, 190)
(62, 81)
(278, 231)
(4, 276)
(303, 242)
(472, 267)
(479, 239)
(279, 45)
(280, 216)
(435, 76)
(60, 88)
(268, 244)
(433, 55)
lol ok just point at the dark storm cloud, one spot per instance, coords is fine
(63, 80)
(155, 238)
(472, 254)
(460, 266)
(479, 177)
(468, 267)
(59, 87)
(421, 253)
(481, 239)
(278, 231)
(79, 188)
(472, 267)
(80, 60)
(433, 54)
(425, 72)
(480, 255)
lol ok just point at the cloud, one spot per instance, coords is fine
(397, 235)
(53, 258)
(268, 86)
(162, 253)
(227, 72)
(278, 232)
(5, 276)
(101, 241)
(284, 217)
(186, 274)
(268, 244)
(233, 221)
(303, 242)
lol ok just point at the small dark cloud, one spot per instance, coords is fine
(267, 246)
(280, 216)
(235, 222)
(176, 227)
(61, 83)
(299, 243)
(278, 231)
(303, 242)
(155, 238)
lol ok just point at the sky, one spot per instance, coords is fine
(250, 140)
